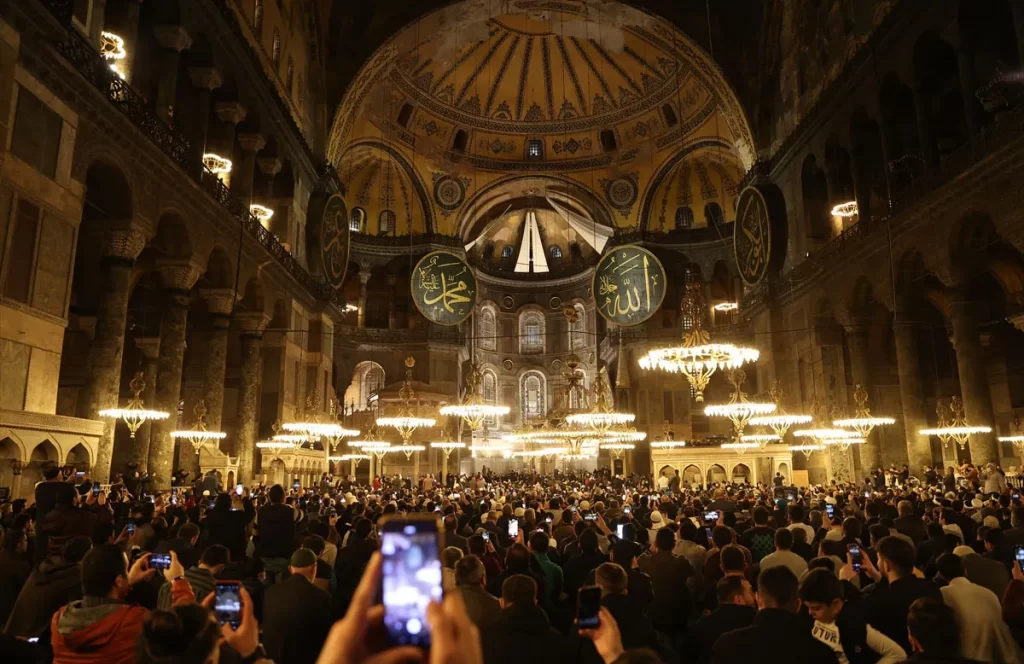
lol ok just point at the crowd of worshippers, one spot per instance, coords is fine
(723, 573)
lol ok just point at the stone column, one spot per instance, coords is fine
(364, 277)
(857, 336)
(178, 277)
(207, 79)
(174, 39)
(250, 380)
(929, 151)
(103, 385)
(908, 367)
(150, 349)
(230, 113)
(129, 32)
(973, 380)
(219, 302)
(270, 166)
(415, 468)
(244, 172)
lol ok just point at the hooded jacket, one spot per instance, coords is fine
(99, 630)
(49, 587)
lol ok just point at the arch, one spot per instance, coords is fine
(899, 122)
(11, 452)
(357, 220)
(741, 473)
(869, 172)
(489, 393)
(487, 327)
(532, 333)
(714, 217)
(814, 191)
(79, 456)
(783, 469)
(716, 473)
(253, 298)
(44, 451)
(172, 237)
(937, 78)
(608, 142)
(692, 475)
(668, 471)
(578, 328)
(684, 217)
(387, 222)
(365, 149)
(108, 193)
(367, 378)
(532, 395)
(460, 141)
(219, 272)
(839, 173)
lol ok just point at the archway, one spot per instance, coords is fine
(692, 476)
(79, 457)
(741, 474)
(10, 459)
(41, 455)
(783, 470)
(716, 473)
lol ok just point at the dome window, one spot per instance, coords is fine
(608, 143)
(535, 149)
(670, 115)
(684, 217)
(388, 222)
(404, 114)
(556, 251)
(506, 251)
(460, 142)
(713, 215)
(356, 218)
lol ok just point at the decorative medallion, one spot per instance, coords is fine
(629, 284)
(622, 192)
(759, 236)
(556, 365)
(444, 288)
(334, 240)
(449, 191)
(572, 146)
(555, 302)
(507, 364)
(508, 302)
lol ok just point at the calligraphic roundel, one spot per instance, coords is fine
(443, 287)
(629, 284)
(759, 235)
(334, 240)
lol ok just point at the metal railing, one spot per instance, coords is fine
(88, 62)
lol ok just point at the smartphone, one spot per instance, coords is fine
(707, 531)
(455, 496)
(513, 528)
(592, 516)
(619, 529)
(573, 508)
(334, 512)
(295, 485)
(95, 489)
(1019, 554)
(160, 561)
(588, 608)
(80, 474)
(437, 508)
(855, 556)
(174, 491)
(411, 573)
(486, 535)
(238, 490)
(626, 510)
(867, 494)
(789, 497)
(34, 639)
(131, 529)
(711, 515)
(227, 603)
(830, 509)
(174, 500)
(548, 519)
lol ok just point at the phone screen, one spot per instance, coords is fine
(411, 579)
(708, 532)
(95, 489)
(1019, 555)
(591, 517)
(227, 604)
(830, 509)
(487, 536)
(160, 561)
(855, 556)
(238, 490)
(513, 528)
(711, 515)
(131, 529)
(296, 485)
(626, 509)
(588, 608)
(619, 530)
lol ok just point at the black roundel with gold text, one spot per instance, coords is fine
(444, 288)
(334, 240)
(629, 284)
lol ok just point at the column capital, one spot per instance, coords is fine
(174, 37)
(270, 165)
(179, 274)
(124, 243)
(252, 142)
(149, 347)
(207, 78)
(219, 301)
(230, 111)
(364, 278)
(252, 322)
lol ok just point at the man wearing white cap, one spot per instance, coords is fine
(983, 571)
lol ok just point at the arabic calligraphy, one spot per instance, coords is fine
(334, 240)
(443, 288)
(752, 239)
(629, 285)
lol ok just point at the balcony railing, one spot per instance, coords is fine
(438, 333)
(85, 58)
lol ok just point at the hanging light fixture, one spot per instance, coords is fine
(602, 419)
(134, 415)
(473, 410)
(697, 358)
(199, 435)
(274, 445)
(953, 424)
(668, 441)
(806, 450)
(863, 422)
(739, 410)
(780, 421)
(740, 447)
(760, 438)
(313, 426)
(406, 422)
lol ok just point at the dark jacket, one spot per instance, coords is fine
(276, 524)
(524, 634)
(635, 629)
(639, 588)
(348, 570)
(701, 636)
(48, 588)
(188, 555)
(776, 635)
(672, 605)
(887, 605)
(227, 527)
(14, 572)
(577, 569)
(452, 538)
(913, 527)
(296, 619)
(482, 607)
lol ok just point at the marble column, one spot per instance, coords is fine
(150, 349)
(252, 325)
(857, 337)
(103, 385)
(178, 277)
(244, 172)
(174, 39)
(415, 468)
(908, 367)
(219, 302)
(974, 387)
(206, 79)
(364, 277)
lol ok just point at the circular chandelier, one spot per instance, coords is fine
(697, 358)
(807, 450)
(313, 427)
(261, 212)
(408, 450)
(473, 410)
(199, 435)
(740, 447)
(953, 425)
(406, 422)
(760, 438)
(780, 421)
(739, 410)
(274, 445)
(216, 164)
(134, 415)
(602, 418)
(863, 422)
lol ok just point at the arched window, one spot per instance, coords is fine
(387, 222)
(608, 143)
(556, 251)
(531, 332)
(367, 378)
(356, 220)
(404, 114)
(289, 78)
(490, 394)
(670, 115)
(684, 217)
(532, 393)
(506, 251)
(578, 329)
(460, 142)
(487, 329)
(578, 398)
(275, 52)
(713, 215)
(257, 17)
(535, 149)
